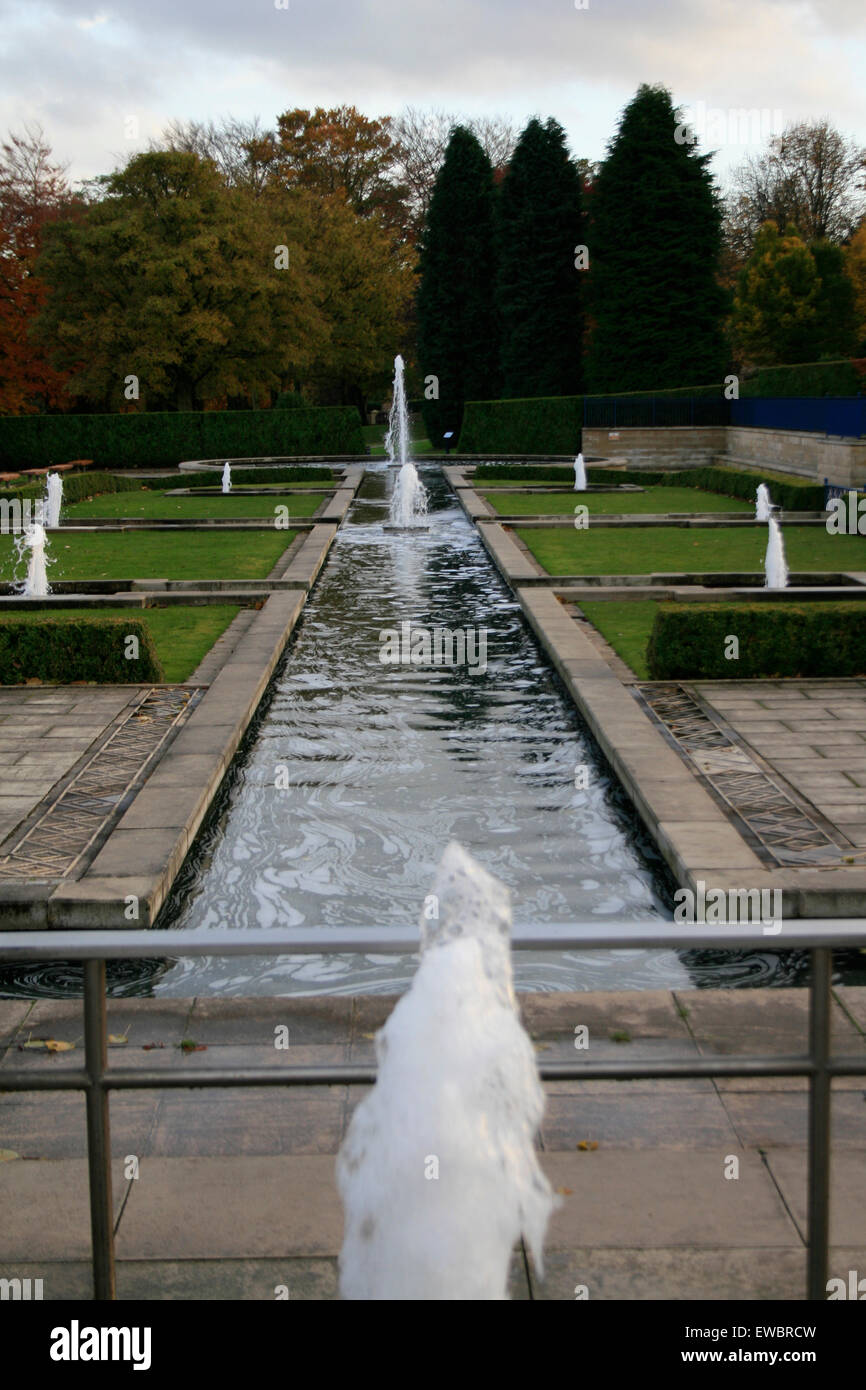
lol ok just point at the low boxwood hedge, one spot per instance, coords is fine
(688, 640)
(245, 477)
(76, 486)
(48, 648)
(792, 496)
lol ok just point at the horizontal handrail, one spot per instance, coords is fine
(97, 1079)
(799, 933)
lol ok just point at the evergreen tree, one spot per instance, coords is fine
(458, 341)
(539, 287)
(654, 251)
(836, 320)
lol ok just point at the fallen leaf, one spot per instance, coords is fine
(7, 1155)
(541, 1047)
(118, 1038)
(565, 1191)
(148, 1047)
(53, 1046)
(587, 1145)
(189, 1046)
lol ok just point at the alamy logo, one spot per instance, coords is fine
(18, 514)
(855, 1288)
(437, 646)
(718, 907)
(20, 1289)
(76, 1343)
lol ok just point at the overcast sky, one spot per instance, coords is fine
(83, 69)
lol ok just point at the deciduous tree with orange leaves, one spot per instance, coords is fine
(33, 193)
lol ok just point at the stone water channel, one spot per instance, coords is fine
(356, 775)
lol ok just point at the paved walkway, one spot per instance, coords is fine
(236, 1193)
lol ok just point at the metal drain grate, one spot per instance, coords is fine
(78, 817)
(786, 830)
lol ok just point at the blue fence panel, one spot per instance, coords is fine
(835, 415)
(629, 412)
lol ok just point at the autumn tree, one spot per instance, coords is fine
(774, 307)
(173, 279)
(33, 192)
(810, 177)
(244, 153)
(855, 268)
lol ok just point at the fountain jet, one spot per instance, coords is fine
(409, 498)
(775, 564)
(438, 1172)
(227, 478)
(53, 500)
(579, 474)
(32, 542)
(762, 503)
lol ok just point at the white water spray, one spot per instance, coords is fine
(227, 479)
(438, 1172)
(579, 474)
(53, 500)
(31, 543)
(775, 564)
(409, 498)
(762, 503)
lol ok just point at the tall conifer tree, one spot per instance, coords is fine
(654, 247)
(458, 342)
(539, 286)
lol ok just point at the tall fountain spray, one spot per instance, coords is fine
(53, 500)
(438, 1172)
(409, 498)
(227, 478)
(31, 543)
(762, 503)
(775, 564)
(579, 474)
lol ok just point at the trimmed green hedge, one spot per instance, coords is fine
(162, 439)
(534, 425)
(245, 478)
(76, 486)
(792, 496)
(842, 378)
(688, 640)
(61, 651)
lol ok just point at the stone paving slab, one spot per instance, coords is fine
(235, 1184)
(683, 1275)
(847, 1210)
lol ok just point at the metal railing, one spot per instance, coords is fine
(843, 416)
(96, 1079)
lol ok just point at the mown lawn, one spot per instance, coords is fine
(627, 627)
(676, 550)
(154, 555)
(157, 506)
(182, 636)
(656, 500)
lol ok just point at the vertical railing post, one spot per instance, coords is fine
(98, 1132)
(819, 1124)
